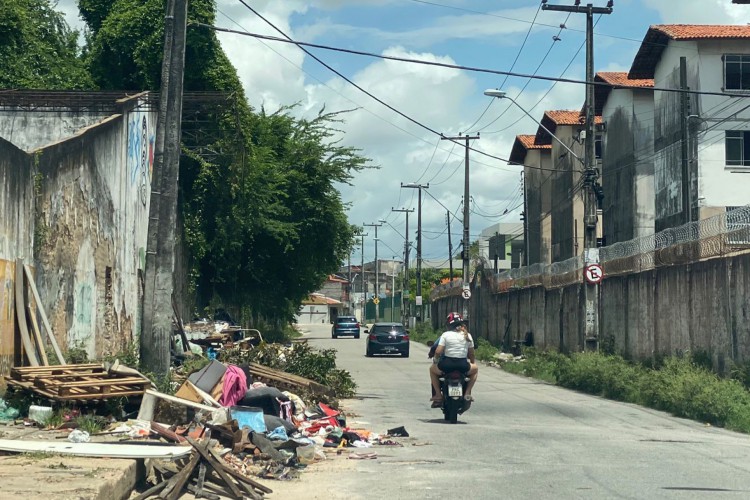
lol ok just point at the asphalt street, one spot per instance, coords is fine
(526, 439)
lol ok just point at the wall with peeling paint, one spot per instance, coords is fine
(16, 237)
(538, 203)
(89, 212)
(628, 165)
(30, 130)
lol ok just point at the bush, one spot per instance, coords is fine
(423, 333)
(485, 351)
(299, 359)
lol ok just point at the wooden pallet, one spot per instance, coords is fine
(77, 382)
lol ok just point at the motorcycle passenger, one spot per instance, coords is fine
(455, 351)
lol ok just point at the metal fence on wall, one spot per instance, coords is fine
(724, 234)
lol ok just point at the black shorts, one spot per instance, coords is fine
(454, 364)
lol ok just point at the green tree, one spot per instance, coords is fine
(38, 50)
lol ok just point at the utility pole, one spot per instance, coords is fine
(450, 244)
(364, 283)
(466, 244)
(376, 300)
(405, 286)
(420, 187)
(591, 173)
(156, 333)
(525, 220)
(684, 113)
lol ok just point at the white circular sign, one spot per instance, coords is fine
(594, 273)
(466, 293)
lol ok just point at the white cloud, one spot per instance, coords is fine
(700, 11)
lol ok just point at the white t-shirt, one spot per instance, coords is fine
(455, 344)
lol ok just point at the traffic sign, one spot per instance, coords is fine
(376, 301)
(594, 273)
(466, 292)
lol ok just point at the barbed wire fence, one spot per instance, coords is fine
(722, 235)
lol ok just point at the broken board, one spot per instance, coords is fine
(103, 450)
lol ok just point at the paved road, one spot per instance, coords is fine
(527, 439)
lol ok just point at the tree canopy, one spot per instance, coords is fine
(38, 50)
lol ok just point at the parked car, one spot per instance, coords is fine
(345, 325)
(387, 338)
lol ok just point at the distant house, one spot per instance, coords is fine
(318, 308)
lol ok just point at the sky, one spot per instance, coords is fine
(504, 35)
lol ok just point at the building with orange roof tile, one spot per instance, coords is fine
(717, 142)
(627, 168)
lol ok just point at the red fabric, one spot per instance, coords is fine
(321, 423)
(235, 386)
(327, 410)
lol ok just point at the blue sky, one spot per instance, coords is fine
(480, 33)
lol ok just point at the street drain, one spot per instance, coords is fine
(413, 462)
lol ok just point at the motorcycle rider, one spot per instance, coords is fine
(455, 351)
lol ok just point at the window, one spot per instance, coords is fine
(598, 147)
(737, 72)
(737, 146)
(738, 227)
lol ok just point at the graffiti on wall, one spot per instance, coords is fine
(140, 154)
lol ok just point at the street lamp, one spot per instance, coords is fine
(502, 95)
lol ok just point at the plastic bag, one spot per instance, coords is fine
(7, 412)
(279, 434)
(79, 436)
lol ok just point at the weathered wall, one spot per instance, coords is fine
(31, 130)
(699, 306)
(667, 132)
(94, 212)
(628, 165)
(16, 237)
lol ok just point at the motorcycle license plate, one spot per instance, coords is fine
(455, 391)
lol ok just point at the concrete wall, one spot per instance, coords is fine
(699, 306)
(628, 165)
(16, 237)
(85, 201)
(30, 130)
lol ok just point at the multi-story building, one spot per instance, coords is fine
(701, 141)
(627, 175)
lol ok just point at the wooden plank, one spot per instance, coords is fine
(180, 327)
(45, 321)
(217, 466)
(241, 477)
(50, 384)
(152, 491)
(37, 336)
(21, 315)
(104, 450)
(177, 483)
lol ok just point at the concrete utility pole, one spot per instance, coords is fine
(684, 114)
(450, 244)
(377, 272)
(156, 330)
(466, 243)
(364, 283)
(405, 286)
(420, 187)
(590, 174)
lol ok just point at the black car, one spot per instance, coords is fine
(387, 338)
(345, 325)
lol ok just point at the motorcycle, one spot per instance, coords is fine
(453, 387)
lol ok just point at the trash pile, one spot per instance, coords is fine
(226, 426)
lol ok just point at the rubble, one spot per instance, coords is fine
(227, 427)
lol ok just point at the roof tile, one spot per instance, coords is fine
(699, 31)
(527, 141)
(621, 78)
(568, 117)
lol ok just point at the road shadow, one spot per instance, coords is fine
(439, 421)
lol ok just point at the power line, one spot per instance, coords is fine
(474, 69)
